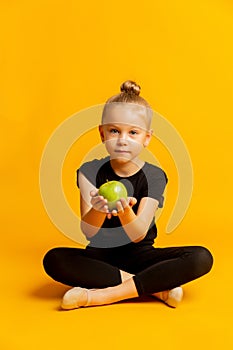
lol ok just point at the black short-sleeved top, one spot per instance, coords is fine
(149, 181)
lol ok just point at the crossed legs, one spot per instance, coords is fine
(80, 297)
(165, 270)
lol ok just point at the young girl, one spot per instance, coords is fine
(120, 262)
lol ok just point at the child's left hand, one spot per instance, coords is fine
(123, 205)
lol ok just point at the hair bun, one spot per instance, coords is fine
(130, 87)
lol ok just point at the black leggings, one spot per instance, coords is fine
(154, 269)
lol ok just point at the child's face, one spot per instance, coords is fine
(125, 131)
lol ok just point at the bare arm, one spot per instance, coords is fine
(93, 207)
(137, 225)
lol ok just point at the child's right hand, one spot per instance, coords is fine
(99, 203)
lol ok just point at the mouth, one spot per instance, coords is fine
(122, 151)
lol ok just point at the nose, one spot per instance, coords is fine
(122, 139)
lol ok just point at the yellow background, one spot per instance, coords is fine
(59, 57)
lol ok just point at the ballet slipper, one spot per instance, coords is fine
(173, 297)
(73, 299)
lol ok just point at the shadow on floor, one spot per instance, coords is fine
(49, 291)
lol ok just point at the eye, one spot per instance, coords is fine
(113, 131)
(133, 132)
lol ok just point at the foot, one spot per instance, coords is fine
(75, 298)
(171, 297)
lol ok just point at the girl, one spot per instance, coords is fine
(120, 261)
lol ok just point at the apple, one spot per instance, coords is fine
(113, 191)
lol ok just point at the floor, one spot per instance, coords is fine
(30, 300)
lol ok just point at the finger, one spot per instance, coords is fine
(105, 209)
(132, 201)
(124, 202)
(93, 193)
(102, 209)
(100, 205)
(98, 200)
(119, 206)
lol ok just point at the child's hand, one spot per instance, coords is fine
(124, 205)
(99, 203)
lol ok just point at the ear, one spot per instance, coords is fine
(101, 131)
(148, 138)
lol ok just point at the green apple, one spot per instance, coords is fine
(113, 191)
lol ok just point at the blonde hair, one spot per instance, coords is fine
(129, 94)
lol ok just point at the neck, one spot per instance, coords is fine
(125, 169)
